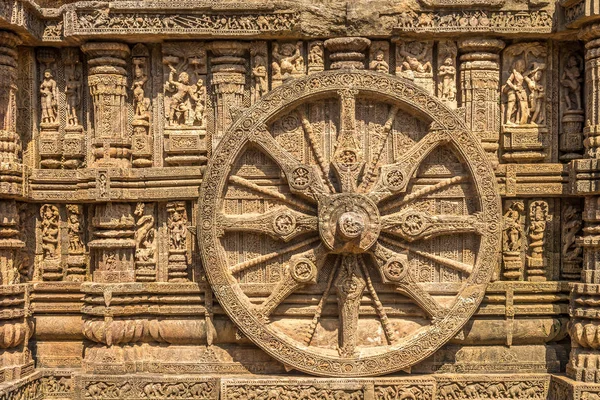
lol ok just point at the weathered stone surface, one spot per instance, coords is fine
(299, 199)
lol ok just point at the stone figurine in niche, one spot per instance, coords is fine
(49, 230)
(315, 55)
(379, 64)
(525, 91)
(415, 58)
(73, 94)
(259, 74)
(288, 60)
(75, 230)
(177, 227)
(49, 98)
(447, 75)
(571, 80)
(141, 103)
(186, 105)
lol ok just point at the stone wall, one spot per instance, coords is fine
(296, 200)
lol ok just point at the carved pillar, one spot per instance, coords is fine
(10, 242)
(592, 96)
(228, 82)
(584, 360)
(113, 245)
(107, 79)
(479, 81)
(347, 52)
(10, 142)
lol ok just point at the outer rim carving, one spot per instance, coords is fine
(230, 296)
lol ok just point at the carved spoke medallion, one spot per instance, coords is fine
(349, 224)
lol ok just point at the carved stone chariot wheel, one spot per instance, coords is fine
(349, 224)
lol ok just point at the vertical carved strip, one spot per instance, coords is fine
(73, 146)
(259, 71)
(177, 224)
(537, 262)
(10, 142)
(142, 140)
(479, 81)
(107, 81)
(228, 82)
(10, 242)
(513, 242)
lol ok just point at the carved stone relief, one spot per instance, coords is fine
(524, 120)
(231, 200)
(369, 224)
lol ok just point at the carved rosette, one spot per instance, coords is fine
(353, 220)
(107, 80)
(479, 81)
(10, 142)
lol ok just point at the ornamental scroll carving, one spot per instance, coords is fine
(340, 213)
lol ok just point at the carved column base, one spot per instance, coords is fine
(73, 147)
(571, 138)
(178, 266)
(524, 144)
(513, 265)
(11, 169)
(185, 146)
(141, 148)
(52, 270)
(347, 52)
(50, 149)
(15, 330)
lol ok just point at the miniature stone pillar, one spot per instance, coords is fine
(479, 81)
(228, 81)
(347, 52)
(113, 244)
(10, 142)
(584, 360)
(107, 79)
(10, 242)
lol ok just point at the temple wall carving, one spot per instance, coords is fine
(259, 200)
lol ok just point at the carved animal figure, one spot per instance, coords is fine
(450, 392)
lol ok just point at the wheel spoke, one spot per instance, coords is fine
(303, 180)
(350, 285)
(312, 141)
(348, 158)
(394, 177)
(387, 329)
(280, 223)
(302, 269)
(264, 258)
(371, 170)
(444, 261)
(409, 198)
(394, 269)
(272, 193)
(313, 324)
(411, 225)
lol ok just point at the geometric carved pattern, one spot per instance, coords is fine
(320, 195)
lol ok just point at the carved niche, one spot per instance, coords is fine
(525, 122)
(366, 213)
(184, 74)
